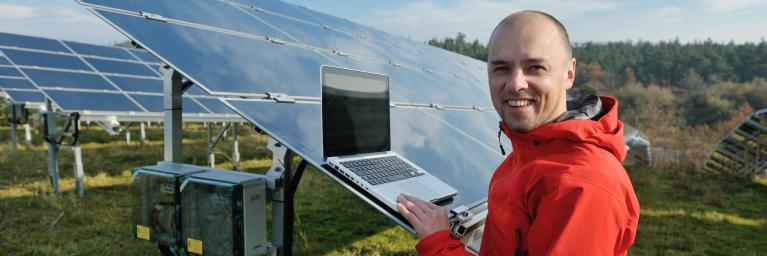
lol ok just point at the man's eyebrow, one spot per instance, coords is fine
(531, 60)
(498, 62)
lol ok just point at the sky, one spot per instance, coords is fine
(586, 20)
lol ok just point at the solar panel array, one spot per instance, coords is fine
(84, 77)
(743, 151)
(443, 119)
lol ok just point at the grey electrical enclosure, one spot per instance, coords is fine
(224, 213)
(156, 201)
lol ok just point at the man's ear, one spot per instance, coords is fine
(570, 74)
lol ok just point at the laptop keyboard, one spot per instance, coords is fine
(382, 170)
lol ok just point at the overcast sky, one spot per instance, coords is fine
(586, 20)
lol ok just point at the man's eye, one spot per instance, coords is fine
(537, 68)
(500, 69)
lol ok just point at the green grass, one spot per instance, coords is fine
(682, 213)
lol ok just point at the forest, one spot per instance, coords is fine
(684, 96)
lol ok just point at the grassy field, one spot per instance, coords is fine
(683, 213)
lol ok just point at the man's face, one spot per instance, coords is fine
(529, 72)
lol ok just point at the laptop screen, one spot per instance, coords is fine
(355, 112)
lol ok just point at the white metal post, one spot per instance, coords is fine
(79, 176)
(28, 138)
(211, 156)
(53, 166)
(143, 134)
(236, 148)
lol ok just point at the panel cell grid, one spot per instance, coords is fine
(49, 60)
(25, 96)
(22, 41)
(119, 67)
(16, 83)
(93, 101)
(63, 79)
(8, 71)
(97, 50)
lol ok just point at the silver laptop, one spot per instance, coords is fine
(356, 139)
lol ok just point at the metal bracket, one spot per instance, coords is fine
(280, 97)
(437, 106)
(466, 219)
(153, 16)
(274, 40)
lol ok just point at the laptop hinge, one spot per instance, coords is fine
(280, 97)
(466, 219)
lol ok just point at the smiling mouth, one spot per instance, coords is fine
(519, 102)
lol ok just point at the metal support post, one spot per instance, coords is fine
(127, 132)
(53, 166)
(211, 156)
(13, 136)
(28, 138)
(79, 182)
(172, 114)
(283, 187)
(143, 134)
(235, 149)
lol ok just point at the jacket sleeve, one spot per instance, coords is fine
(441, 243)
(574, 217)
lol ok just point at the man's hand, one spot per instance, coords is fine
(425, 217)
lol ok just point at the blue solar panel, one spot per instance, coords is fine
(195, 90)
(93, 101)
(215, 105)
(154, 104)
(26, 96)
(26, 58)
(144, 56)
(7, 71)
(47, 78)
(131, 84)
(227, 63)
(119, 67)
(4, 61)
(16, 83)
(31, 42)
(97, 50)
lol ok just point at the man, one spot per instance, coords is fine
(562, 191)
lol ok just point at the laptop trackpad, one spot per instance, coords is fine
(418, 190)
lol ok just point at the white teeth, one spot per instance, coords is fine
(518, 103)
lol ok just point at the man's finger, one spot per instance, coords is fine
(425, 205)
(409, 216)
(414, 208)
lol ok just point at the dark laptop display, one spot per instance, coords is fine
(355, 112)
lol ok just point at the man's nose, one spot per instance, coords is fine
(516, 82)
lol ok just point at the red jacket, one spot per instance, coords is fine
(562, 191)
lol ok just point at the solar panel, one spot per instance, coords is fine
(97, 50)
(17, 83)
(25, 96)
(134, 84)
(253, 47)
(72, 85)
(49, 60)
(92, 101)
(121, 67)
(29, 42)
(67, 79)
(228, 56)
(743, 151)
(9, 71)
(154, 104)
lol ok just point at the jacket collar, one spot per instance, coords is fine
(582, 124)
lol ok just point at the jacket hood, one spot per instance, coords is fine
(581, 123)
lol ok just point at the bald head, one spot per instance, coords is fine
(524, 18)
